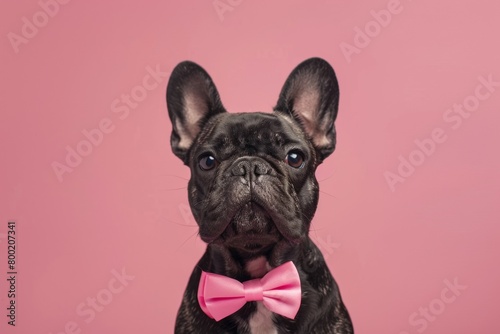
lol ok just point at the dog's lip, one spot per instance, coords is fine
(217, 237)
(240, 239)
(281, 231)
(209, 239)
(249, 238)
(278, 223)
(243, 240)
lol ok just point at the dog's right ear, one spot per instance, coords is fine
(192, 99)
(310, 96)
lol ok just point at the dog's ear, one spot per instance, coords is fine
(311, 96)
(192, 99)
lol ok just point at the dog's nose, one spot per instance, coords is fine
(249, 168)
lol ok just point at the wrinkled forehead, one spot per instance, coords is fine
(250, 131)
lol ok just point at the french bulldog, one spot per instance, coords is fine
(253, 193)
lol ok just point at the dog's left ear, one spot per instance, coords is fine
(311, 96)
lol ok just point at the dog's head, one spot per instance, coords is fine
(252, 174)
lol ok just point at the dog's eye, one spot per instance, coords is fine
(207, 162)
(295, 159)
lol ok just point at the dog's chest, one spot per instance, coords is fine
(261, 321)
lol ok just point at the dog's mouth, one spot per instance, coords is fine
(250, 245)
(251, 230)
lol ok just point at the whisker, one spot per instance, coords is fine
(180, 224)
(194, 234)
(177, 176)
(324, 192)
(304, 215)
(201, 201)
(326, 178)
(168, 189)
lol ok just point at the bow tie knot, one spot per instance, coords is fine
(253, 290)
(279, 290)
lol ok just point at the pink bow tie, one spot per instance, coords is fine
(279, 290)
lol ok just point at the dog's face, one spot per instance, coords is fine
(252, 180)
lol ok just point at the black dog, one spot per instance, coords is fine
(253, 193)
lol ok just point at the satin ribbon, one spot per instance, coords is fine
(279, 290)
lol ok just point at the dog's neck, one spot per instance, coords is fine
(257, 267)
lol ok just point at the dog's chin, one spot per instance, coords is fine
(251, 232)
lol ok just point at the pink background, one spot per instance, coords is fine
(124, 205)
